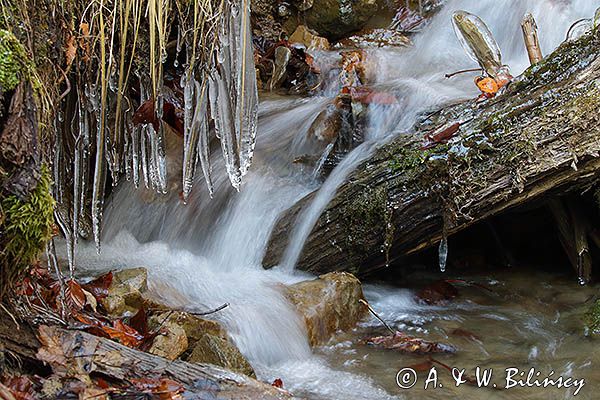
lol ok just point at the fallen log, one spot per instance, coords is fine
(539, 137)
(81, 352)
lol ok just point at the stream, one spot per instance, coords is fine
(209, 252)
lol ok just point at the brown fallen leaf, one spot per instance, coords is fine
(164, 388)
(408, 344)
(21, 387)
(99, 286)
(74, 296)
(441, 135)
(70, 50)
(278, 383)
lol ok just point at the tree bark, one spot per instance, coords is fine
(541, 136)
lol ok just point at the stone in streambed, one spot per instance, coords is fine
(197, 340)
(218, 350)
(335, 18)
(125, 294)
(172, 340)
(309, 38)
(328, 304)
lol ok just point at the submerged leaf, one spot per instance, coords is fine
(407, 344)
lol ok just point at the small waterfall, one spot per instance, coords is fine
(209, 252)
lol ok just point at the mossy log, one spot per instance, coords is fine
(540, 137)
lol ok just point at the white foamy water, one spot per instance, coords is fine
(209, 252)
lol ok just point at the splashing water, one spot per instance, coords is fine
(208, 252)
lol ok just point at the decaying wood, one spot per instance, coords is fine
(540, 137)
(530, 36)
(65, 349)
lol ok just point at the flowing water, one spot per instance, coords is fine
(209, 251)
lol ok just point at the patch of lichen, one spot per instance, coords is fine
(367, 221)
(25, 229)
(14, 66)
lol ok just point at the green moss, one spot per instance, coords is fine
(13, 64)
(368, 223)
(408, 159)
(26, 228)
(592, 319)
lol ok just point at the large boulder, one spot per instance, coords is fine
(125, 293)
(335, 18)
(328, 304)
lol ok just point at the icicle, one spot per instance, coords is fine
(443, 253)
(61, 215)
(477, 41)
(247, 92)
(178, 49)
(98, 187)
(220, 102)
(190, 142)
(579, 28)
(201, 126)
(196, 146)
(80, 172)
(151, 152)
(135, 154)
(145, 154)
(99, 179)
(582, 279)
(127, 151)
(61, 181)
(159, 147)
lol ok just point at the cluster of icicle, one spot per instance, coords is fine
(219, 85)
(229, 90)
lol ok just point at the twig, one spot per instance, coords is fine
(211, 311)
(462, 71)
(11, 316)
(530, 36)
(377, 316)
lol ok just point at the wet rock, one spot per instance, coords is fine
(303, 5)
(218, 350)
(328, 304)
(264, 23)
(125, 292)
(335, 18)
(198, 340)
(172, 340)
(376, 38)
(309, 38)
